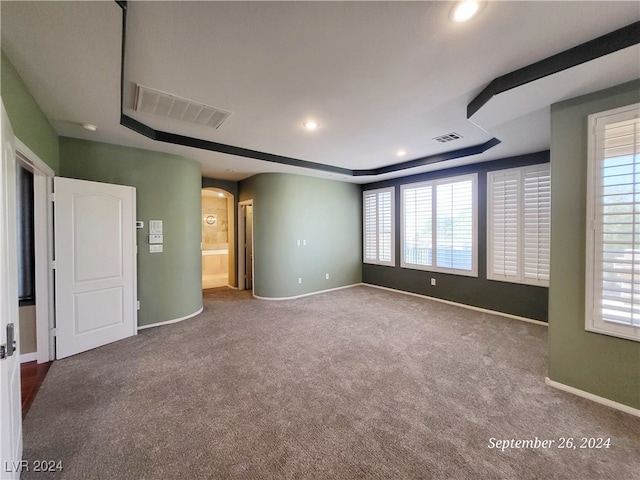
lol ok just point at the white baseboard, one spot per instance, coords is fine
(308, 294)
(594, 398)
(232, 287)
(28, 357)
(470, 307)
(175, 320)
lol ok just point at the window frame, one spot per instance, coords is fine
(473, 177)
(520, 277)
(377, 261)
(593, 321)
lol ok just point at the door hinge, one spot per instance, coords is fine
(52, 197)
(52, 264)
(138, 305)
(54, 332)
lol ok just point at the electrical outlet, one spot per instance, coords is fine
(433, 282)
(300, 280)
(304, 243)
(326, 276)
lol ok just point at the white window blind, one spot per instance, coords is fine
(439, 226)
(518, 224)
(379, 226)
(613, 232)
(537, 224)
(503, 192)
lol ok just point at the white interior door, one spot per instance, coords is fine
(10, 405)
(95, 256)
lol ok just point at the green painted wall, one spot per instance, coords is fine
(168, 189)
(325, 213)
(27, 120)
(599, 364)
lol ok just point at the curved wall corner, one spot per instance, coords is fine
(168, 189)
(324, 214)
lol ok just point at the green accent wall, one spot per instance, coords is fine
(168, 188)
(516, 299)
(599, 364)
(325, 213)
(29, 124)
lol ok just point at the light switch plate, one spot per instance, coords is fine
(155, 248)
(153, 239)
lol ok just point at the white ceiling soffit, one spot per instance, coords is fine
(603, 72)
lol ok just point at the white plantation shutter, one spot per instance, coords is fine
(537, 224)
(417, 226)
(379, 226)
(439, 226)
(370, 226)
(613, 236)
(503, 225)
(519, 224)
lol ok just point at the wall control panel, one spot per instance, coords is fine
(155, 236)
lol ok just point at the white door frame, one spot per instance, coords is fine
(241, 250)
(43, 246)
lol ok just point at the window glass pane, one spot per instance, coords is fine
(454, 225)
(418, 242)
(617, 226)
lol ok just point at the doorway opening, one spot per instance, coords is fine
(217, 237)
(245, 245)
(35, 227)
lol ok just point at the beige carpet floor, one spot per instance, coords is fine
(356, 383)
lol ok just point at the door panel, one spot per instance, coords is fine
(10, 405)
(95, 264)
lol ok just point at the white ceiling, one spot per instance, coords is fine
(377, 76)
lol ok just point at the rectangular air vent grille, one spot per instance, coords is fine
(166, 105)
(448, 137)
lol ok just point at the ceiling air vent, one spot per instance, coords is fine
(448, 137)
(171, 106)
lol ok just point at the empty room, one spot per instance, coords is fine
(320, 240)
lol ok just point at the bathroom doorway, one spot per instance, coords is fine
(217, 236)
(245, 245)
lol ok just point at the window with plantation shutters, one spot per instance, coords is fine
(379, 226)
(518, 224)
(613, 223)
(439, 225)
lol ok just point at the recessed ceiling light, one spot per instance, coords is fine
(310, 125)
(401, 153)
(220, 194)
(465, 10)
(89, 126)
